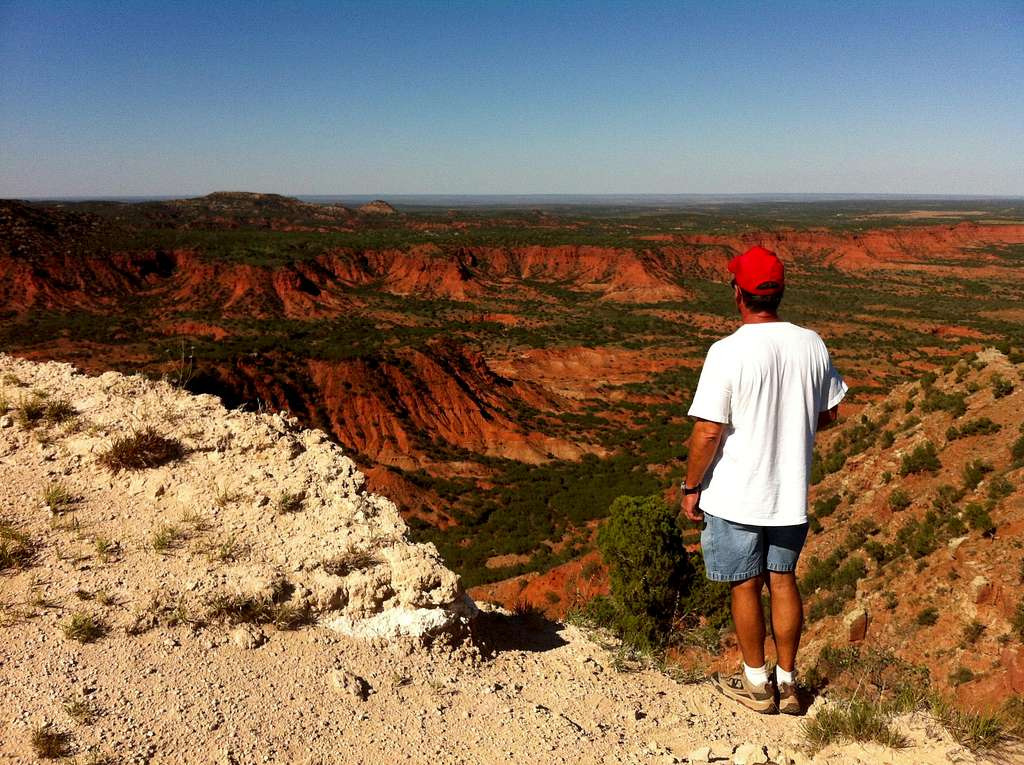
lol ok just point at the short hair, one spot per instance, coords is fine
(761, 303)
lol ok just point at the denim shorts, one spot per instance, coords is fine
(734, 552)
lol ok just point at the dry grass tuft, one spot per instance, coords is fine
(106, 549)
(84, 627)
(48, 743)
(58, 497)
(142, 449)
(856, 720)
(345, 563)
(81, 710)
(17, 550)
(166, 538)
(58, 411)
(248, 609)
(30, 411)
(225, 551)
(290, 502)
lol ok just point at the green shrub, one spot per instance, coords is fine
(954, 403)
(981, 426)
(974, 471)
(899, 500)
(1017, 450)
(960, 675)
(947, 498)
(823, 508)
(887, 439)
(1001, 387)
(978, 518)
(999, 488)
(647, 567)
(924, 458)
(972, 631)
(926, 617)
(849, 573)
(876, 551)
(1017, 622)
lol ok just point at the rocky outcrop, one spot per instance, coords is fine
(258, 513)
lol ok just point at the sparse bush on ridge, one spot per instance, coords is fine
(974, 471)
(899, 500)
(926, 617)
(924, 458)
(823, 508)
(954, 403)
(141, 450)
(1001, 387)
(981, 426)
(979, 518)
(1017, 622)
(1017, 450)
(999, 487)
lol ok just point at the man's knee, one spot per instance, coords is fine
(782, 581)
(752, 585)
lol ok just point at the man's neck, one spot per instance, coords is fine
(760, 318)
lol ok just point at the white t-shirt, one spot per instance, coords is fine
(767, 384)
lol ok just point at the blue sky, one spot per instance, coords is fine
(118, 98)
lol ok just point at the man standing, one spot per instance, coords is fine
(764, 391)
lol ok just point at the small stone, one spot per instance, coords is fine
(856, 625)
(749, 754)
(700, 754)
(346, 682)
(6, 421)
(248, 636)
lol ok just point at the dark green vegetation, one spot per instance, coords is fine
(659, 594)
(647, 565)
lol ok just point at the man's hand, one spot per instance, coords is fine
(691, 507)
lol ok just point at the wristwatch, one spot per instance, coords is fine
(687, 491)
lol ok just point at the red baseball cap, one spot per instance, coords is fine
(759, 271)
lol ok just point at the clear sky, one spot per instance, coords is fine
(133, 97)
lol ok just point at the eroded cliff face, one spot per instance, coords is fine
(402, 407)
(38, 273)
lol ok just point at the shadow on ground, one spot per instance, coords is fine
(496, 632)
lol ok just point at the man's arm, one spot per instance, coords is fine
(826, 418)
(704, 443)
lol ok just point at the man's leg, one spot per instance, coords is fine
(787, 617)
(749, 619)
